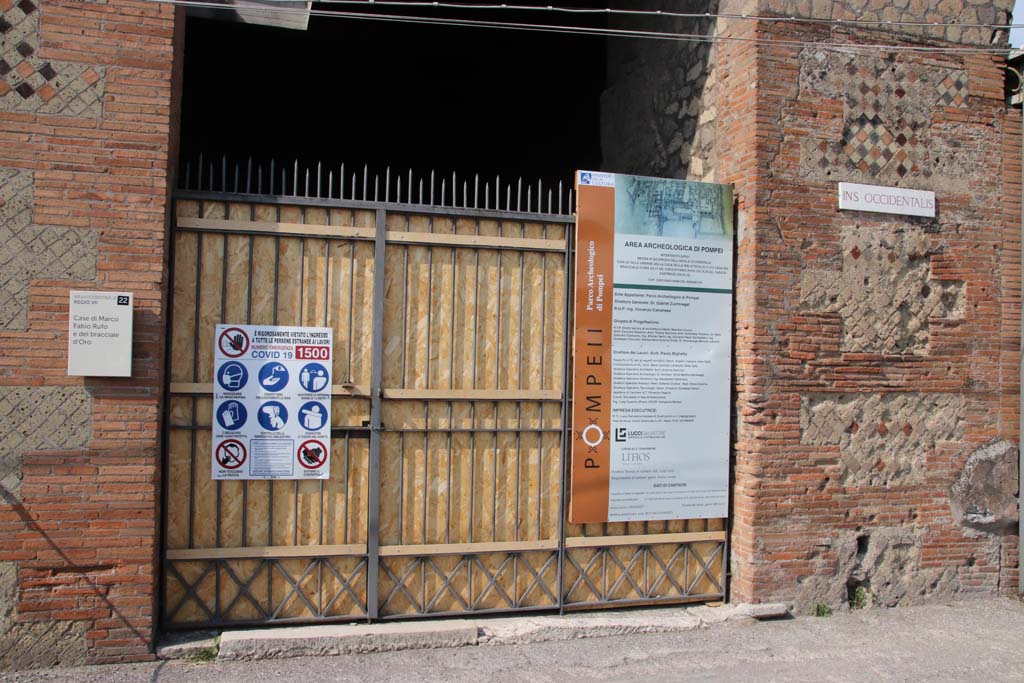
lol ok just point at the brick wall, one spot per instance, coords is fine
(876, 356)
(85, 143)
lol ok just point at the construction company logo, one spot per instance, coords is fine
(597, 178)
(623, 434)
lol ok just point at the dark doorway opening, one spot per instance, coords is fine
(408, 96)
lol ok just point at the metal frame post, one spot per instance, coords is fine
(1020, 405)
(566, 418)
(376, 372)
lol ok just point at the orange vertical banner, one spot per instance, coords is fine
(592, 348)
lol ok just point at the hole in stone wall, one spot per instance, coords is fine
(862, 546)
(856, 593)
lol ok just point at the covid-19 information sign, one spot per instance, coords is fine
(271, 402)
(652, 349)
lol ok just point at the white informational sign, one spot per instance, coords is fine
(652, 347)
(271, 402)
(100, 334)
(879, 199)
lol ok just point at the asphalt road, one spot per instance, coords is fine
(981, 640)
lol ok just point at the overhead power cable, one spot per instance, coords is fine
(610, 11)
(592, 31)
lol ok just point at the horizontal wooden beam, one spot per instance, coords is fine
(645, 539)
(367, 205)
(356, 549)
(273, 228)
(616, 604)
(363, 391)
(485, 241)
(267, 552)
(350, 232)
(473, 394)
(466, 548)
(191, 387)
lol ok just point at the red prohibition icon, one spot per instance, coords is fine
(231, 454)
(312, 454)
(233, 342)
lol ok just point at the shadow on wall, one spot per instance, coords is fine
(658, 111)
(41, 643)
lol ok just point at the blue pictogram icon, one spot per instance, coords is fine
(272, 416)
(314, 377)
(232, 376)
(273, 377)
(232, 415)
(313, 416)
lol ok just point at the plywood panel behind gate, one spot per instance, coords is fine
(294, 280)
(449, 303)
(453, 471)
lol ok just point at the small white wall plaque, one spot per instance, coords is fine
(879, 199)
(100, 334)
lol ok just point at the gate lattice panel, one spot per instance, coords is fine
(449, 436)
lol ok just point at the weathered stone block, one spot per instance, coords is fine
(39, 85)
(40, 418)
(984, 496)
(884, 294)
(886, 563)
(883, 439)
(25, 645)
(30, 251)
(888, 113)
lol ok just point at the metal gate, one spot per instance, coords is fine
(450, 305)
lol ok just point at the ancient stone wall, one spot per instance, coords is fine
(85, 146)
(658, 112)
(877, 356)
(955, 21)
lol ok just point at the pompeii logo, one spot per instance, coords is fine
(592, 435)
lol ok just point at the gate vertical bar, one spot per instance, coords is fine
(566, 418)
(376, 372)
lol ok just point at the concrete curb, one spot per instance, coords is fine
(346, 639)
(187, 645)
(523, 630)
